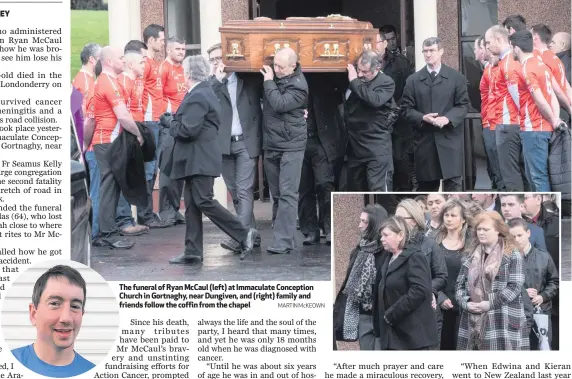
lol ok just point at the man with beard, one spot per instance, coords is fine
(239, 136)
(369, 113)
(174, 90)
(56, 311)
(435, 102)
(398, 68)
(284, 141)
(560, 45)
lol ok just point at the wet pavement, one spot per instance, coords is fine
(565, 247)
(148, 260)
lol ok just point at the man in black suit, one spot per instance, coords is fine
(317, 176)
(239, 136)
(284, 141)
(369, 113)
(435, 102)
(196, 158)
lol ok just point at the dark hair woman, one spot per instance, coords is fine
(353, 309)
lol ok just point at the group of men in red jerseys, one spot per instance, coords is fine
(525, 97)
(120, 89)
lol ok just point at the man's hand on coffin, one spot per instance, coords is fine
(219, 72)
(267, 72)
(165, 119)
(352, 73)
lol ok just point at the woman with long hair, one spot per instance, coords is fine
(451, 236)
(403, 316)
(353, 309)
(489, 289)
(435, 202)
(413, 215)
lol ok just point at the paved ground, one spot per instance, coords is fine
(148, 260)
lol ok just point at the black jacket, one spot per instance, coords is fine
(403, 294)
(559, 165)
(196, 150)
(284, 125)
(541, 274)
(565, 57)
(248, 96)
(126, 160)
(398, 68)
(436, 261)
(370, 113)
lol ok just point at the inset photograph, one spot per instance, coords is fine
(60, 319)
(454, 271)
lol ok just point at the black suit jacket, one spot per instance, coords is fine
(403, 294)
(196, 150)
(438, 151)
(248, 103)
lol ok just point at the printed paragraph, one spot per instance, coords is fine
(514, 371)
(29, 45)
(389, 371)
(151, 349)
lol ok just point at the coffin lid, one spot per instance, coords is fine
(297, 24)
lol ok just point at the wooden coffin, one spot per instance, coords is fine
(324, 44)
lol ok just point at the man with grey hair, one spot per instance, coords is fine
(560, 45)
(195, 157)
(370, 112)
(284, 134)
(85, 78)
(435, 102)
(174, 90)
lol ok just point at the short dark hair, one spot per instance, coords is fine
(522, 39)
(134, 46)
(60, 271)
(370, 57)
(515, 222)
(543, 31)
(89, 50)
(152, 30)
(376, 215)
(422, 198)
(175, 39)
(519, 197)
(387, 29)
(98, 68)
(433, 41)
(517, 22)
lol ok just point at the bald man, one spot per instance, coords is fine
(284, 142)
(109, 107)
(560, 45)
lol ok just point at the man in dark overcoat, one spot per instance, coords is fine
(435, 102)
(196, 157)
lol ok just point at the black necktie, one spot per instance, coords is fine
(433, 75)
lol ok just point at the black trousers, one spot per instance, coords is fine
(449, 185)
(198, 201)
(450, 329)
(317, 178)
(373, 174)
(109, 192)
(511, 162)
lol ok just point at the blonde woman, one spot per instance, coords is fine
(489, 289)
(451, 236)
(403, 316)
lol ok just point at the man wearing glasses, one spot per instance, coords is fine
(435, 102)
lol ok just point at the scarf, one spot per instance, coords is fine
(482, 271)
(359, 287)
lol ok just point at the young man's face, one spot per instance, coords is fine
(521, 237)
(59, 314)
(510, 207)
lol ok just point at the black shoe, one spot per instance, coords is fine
(329, 238)
(180, 219)
(257, 241)
(248, 244)
(158, 224)
(183, 259)
(231, 245)
(278, 250)
(311, 239)
(116, 244)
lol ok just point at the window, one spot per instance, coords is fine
(183, 19)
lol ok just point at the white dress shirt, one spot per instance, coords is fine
(231, 85)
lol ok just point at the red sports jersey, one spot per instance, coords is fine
(510, 74)
(556, 67)
(537, 76)
(108, 94)
(484, 88)
(84, 82)
(153, 101)
(495, 102)
(174, 87)
(133, 95)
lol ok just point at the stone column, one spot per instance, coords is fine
(124, 22)
(425, 20)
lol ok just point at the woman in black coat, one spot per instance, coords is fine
(353, 309)
(412, 213)
(403, 316)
